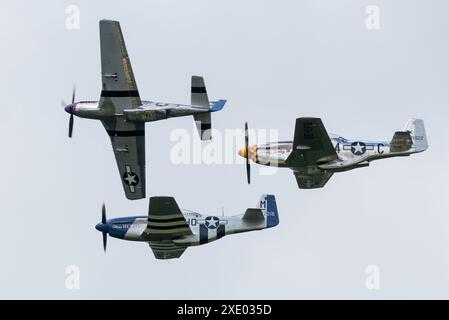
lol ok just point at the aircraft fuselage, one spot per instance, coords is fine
(204, 228)
(351, 154)
(147, 112)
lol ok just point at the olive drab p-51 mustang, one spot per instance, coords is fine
(170, 230)
(124, 114)
(314, 156)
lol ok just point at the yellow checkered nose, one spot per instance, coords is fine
(251, 152)
(243, 152)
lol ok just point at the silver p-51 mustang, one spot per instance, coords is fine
(314, 155)
(124, 114)
(170, 230)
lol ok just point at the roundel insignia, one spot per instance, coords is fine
(131, 179)
(358, 148)
(212, 222)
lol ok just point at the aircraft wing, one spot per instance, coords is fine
(120, 92)
(128, 144)
(166, 249)
(311, 144)
(312, 180)
(165, 220)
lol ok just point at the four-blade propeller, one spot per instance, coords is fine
(103, 221)
(70, 108)
(248, 167)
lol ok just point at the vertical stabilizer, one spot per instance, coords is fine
(267, 204)
(418, 134)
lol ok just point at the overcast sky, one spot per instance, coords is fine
(274, 61)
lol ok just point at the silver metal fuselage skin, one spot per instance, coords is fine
(205, 228)
(169, 230)
(147, 112)
(351, 153)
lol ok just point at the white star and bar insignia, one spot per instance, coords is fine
(358, 148)
(130, 178)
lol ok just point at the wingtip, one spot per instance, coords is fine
(218, 105)
(104, 22)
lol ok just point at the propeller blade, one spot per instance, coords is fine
(105, 241)
(63, 104)
(73, 94)
(70, 125)
(248, 172)
(103, 220)
(103, 214)
(69, 109)
(248, 166)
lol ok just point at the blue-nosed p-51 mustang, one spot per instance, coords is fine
(170, 230)
(124, 114)
(314, 156)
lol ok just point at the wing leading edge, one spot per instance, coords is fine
(165, 220)
(311, 144)
(311, 147)
(165, 223)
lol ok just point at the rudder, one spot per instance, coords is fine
(418, 134)
(267, 204)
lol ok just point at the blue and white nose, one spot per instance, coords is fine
(102, 227)
(70, 109)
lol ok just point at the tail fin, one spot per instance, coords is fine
(418, 134)
(266, 210)
(199, 98)
(267, 204)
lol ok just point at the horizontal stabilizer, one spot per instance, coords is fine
(216, 105)
(203, 123)
(199, 93)
(199, 98)
(401, 142)
(253, 214)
